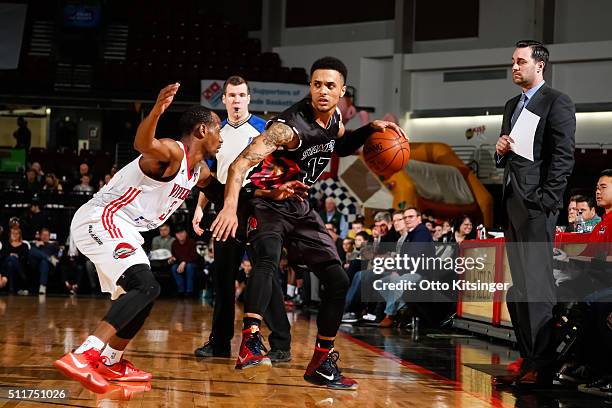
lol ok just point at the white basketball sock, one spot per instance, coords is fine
(90, 342)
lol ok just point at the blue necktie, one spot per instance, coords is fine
(519, 108)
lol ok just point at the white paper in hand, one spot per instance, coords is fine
(523, 134)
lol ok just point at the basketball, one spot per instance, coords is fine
(386, 152)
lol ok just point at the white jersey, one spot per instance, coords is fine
(139, 200)
(235, 139)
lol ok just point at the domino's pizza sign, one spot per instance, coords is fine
(265, 96)
(212, 94)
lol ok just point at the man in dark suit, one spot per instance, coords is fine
(532, 196)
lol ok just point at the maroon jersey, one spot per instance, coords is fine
(304, 163)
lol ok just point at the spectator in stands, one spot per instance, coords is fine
(393, 304)
(600, 239)
(76, 178)
(331, 228)
(13, 258)
(354, 259)
(52, 184)
(44, 255)
(40, 174)
(384, 227)
(30, 183)
(571, 215)
(22, 135)
(332, 216)
(446, 227)
(462, 230)
(436, 234)
(84, 186)
(429, 224)
(585, 207)
(163, 240)
(357, 226)
(348, 246)
(104, 181)
(184, 262)
(114, 169)
(34, 220)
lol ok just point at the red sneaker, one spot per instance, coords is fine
(124, 370)
(252, 351)
(515, 366)
(323, 370)
(82, 367)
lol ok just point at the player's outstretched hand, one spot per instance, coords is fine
(165, 97)
(383, 124)
(290, 189)
(197, 217)
(224, 225)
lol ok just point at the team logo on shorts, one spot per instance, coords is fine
(251, 224)
(123, 250)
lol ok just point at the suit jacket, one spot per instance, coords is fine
(541, 183)
(419, 243)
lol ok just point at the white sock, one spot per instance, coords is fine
(90, 342)
(112, 356)
(290, 290)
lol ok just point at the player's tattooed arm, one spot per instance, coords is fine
(278, 134)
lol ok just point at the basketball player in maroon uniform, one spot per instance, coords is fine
(296, 145)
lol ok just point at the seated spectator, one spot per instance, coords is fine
(436, 234)
(354, 260)
(104, 181)
(52, 184)
(163, 240)
(446, 227)
(571, 215)
(14, 257)
(184, 262)
(357, 226)
(40, 174)
(600, 238)
(43, 255)
(30, 183)
(34, 221)
(348, 246)
(331, 215)
(393, 304)
(585, 208)
(75, 178)
(384, 228)
(84, 186)
(462, 230)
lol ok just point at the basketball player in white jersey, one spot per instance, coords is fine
(237, 131)
(140, 197)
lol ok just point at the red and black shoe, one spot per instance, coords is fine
(323, 370)
(252, 350)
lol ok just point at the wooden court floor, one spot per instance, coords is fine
(35, 331)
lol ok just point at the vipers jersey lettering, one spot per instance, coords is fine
(141, 201)
(306, 162)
